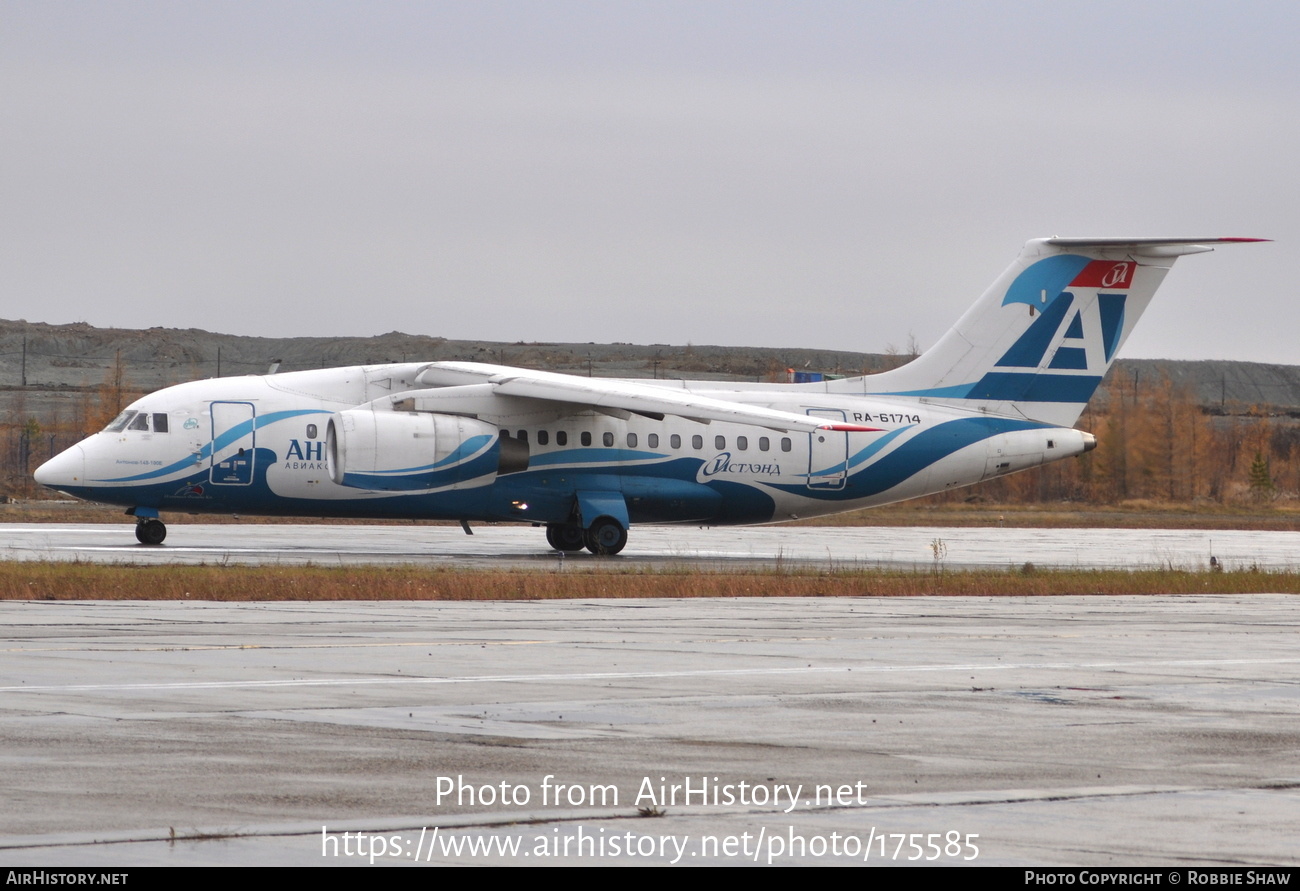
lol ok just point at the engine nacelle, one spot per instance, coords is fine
(417, 451)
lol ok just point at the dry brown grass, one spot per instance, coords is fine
(86, 581)
(1073, 515)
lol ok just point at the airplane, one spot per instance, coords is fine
(587, 457)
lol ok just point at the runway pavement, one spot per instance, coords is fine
(1055, 731)
(524, 546)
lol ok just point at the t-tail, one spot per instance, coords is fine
(1039, 341)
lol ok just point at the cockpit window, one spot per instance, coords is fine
(138, 420)
(120, 422)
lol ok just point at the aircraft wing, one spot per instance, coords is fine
(609, 395)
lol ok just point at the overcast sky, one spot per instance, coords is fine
(825, 175)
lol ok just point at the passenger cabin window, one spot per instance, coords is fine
(607, 438)
(764, 443)
(697, 441)
(523, 436)
(652, 440)
(742, 442)
(675, 441)
(785, 443)
(561, 437)
(543, 437)
(586, 438)
(719, 442)
(311, 431)
(631, 440)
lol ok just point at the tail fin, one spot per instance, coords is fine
(1040, 340)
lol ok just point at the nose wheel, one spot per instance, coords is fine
(150, 532)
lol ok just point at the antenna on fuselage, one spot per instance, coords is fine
(275, 366)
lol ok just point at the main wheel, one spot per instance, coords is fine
(606, 537)
(150, 532)
(565, 536)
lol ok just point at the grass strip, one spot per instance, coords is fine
(89, 581)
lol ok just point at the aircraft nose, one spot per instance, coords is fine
(68, 468)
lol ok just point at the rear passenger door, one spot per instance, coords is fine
(828, 453)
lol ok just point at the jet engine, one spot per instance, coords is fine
(417, 451)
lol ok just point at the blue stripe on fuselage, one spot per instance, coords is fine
(234, 434)
(913, 456)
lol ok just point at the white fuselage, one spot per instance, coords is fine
(260, 445)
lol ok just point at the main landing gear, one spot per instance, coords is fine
(565, 536)
(604, 538)
(150, 531)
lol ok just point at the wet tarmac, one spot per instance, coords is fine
(1045, 731)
